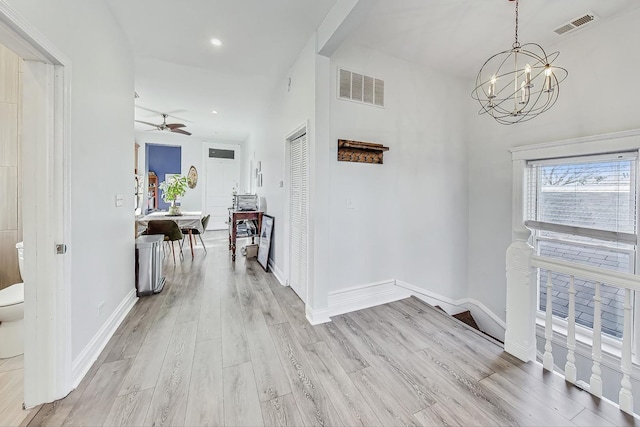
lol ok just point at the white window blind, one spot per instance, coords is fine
(585, 196)
(583, 210)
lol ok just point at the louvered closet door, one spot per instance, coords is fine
(298, 216)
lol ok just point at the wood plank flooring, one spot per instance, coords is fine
(12, 391)
(224, 344)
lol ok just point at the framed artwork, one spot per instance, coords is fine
(264, 247)
(192, 177)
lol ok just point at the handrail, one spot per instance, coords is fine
(596, 274)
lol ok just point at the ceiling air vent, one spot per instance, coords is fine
(360, 88)
(575, 23)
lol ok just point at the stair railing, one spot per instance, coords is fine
(523, 269)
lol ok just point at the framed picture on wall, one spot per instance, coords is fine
(266, 231)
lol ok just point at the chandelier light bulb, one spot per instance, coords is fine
(492, 87)
(527, 72)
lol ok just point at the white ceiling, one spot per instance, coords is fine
(179, 71)
(459, 35)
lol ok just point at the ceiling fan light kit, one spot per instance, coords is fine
(167, 127)
(518, 84)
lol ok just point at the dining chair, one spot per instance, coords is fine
(185, 231)
(171, 233)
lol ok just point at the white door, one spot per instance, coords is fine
(298, 214)
(223, 176)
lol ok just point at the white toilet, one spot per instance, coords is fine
(12, 314)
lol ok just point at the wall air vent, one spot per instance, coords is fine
(360, 88)
(575, 23)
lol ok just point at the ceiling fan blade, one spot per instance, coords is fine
(175, 125)
(147, 123)
(184, 132)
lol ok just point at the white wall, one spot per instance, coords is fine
(288, 108)
(101, 140)
(598, 97)
(409, 216)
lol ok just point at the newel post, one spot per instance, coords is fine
(520, 336)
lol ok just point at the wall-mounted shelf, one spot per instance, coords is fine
(361, 152)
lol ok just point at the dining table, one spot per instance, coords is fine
(187, 220)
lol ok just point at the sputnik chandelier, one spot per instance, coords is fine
(518, 84)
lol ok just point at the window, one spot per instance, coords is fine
(584, 210)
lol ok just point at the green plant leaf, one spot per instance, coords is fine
(176, 187)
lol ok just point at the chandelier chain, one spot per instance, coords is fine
(516, 44)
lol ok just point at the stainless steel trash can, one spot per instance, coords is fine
(149, 278)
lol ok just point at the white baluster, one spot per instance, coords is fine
(595, 382)
(547, 360)
(625, 397)
(570, 372)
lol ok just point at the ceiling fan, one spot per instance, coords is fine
(171, 127)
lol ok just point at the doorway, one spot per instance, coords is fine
(222, 179)
(45, 218)
(161, 160)
(298, 212)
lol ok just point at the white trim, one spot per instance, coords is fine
(618, 141)
(29, 43)
(316, 317)
(365, 296)
(297, 132)
(596, 274)
(90, 353)
(611, 236)
(487, 320)
(631, 155)
(378, 293)
(277, 273)
(47, 311)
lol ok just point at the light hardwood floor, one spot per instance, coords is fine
(12, 391)
(225, 344)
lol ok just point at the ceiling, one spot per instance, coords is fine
(179, 71)
(459, 35)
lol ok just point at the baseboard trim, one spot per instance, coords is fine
(365, 296)
(316, 317)
(277, 273)
(90, 353)
(487, 320)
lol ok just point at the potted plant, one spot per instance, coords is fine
(171, 190)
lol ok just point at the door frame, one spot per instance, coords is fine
(205, 164)
(302, 129)
(46, 219)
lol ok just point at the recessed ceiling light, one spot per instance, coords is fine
(216, 42)
(214, 112)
